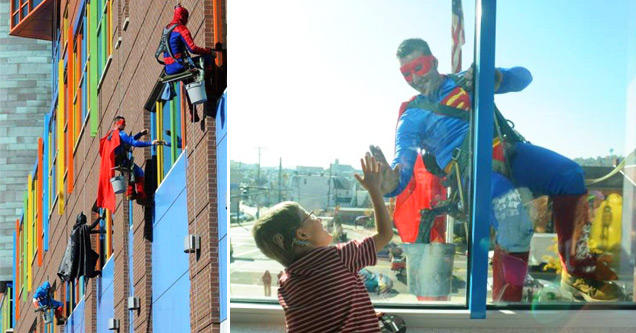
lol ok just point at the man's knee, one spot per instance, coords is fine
(571, 181)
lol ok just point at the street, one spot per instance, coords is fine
(248, 265)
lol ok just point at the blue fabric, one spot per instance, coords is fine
(53, 303)
(42, 290)
(440, 135)
(508, 216)
(545, 172)
(131, 141)
(168, 92)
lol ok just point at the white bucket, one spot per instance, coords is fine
(430, 269)
(119, 184)
(196, 92)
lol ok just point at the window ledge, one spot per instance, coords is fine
(250, 317)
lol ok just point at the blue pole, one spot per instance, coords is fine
(482, 148)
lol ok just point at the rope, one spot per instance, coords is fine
(616, 170)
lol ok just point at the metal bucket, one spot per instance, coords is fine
(119, 184)
(196, 92)
(430, 270)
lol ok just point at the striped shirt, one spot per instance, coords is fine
(321, 292)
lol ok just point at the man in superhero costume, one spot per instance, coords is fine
(540, 170)
(113, 149)
(42, 300)
(180, 39)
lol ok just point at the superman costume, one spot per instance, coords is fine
(113, 149)
(542, 171)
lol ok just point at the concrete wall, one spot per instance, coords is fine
(25, 96)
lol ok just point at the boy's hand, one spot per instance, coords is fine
(390, 177)
(373, 179)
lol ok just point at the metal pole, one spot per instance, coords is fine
(482, 148)
(280, 179)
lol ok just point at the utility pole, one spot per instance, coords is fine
(280, 179)
(258, 182)
(329, 188)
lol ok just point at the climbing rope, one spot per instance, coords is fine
(616, 170)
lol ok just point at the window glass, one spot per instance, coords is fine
(333, 88)
(577, 120)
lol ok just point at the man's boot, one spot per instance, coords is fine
(584, 276)
(509, 272)
(130, 192)
(142, 198)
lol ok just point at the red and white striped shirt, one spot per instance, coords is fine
(321, 292)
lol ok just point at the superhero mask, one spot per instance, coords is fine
(420, 66)
(120, 122)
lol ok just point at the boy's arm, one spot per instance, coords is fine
(372, 182)
(384, 231)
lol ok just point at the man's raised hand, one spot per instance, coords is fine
(391, 177)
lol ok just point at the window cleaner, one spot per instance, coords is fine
(114, 148)
(79, 258)
(43, 302)
(175, 46)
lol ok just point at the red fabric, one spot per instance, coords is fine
(105, 193)
(509, 272)
(181, 18)
(423, 188)
(420, 66)
(183, 30)
(322, 291)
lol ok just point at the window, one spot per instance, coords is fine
(349, 99)
(104, 35)
(167, 123)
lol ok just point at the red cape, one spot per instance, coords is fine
(423, 189)
(105, 192)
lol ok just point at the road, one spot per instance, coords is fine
(249, 264)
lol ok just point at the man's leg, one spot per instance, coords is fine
(546, 172)
(514, 233)
(142, 198)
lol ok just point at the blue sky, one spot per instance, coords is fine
(315, 81)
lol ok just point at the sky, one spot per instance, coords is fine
(315, 81)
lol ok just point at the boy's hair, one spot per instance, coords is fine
(411, 45)
(283, 219)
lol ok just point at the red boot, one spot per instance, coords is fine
(130, 192)
(509, 272)
(572, 224)
(59, 317)
(142, 198)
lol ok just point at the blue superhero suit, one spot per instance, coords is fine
(121, 152)
(539, 169)
(179, 40)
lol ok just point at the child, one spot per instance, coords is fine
(320, 290)
(42, 300)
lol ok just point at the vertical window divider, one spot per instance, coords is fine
(482, 161)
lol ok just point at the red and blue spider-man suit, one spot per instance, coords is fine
(180, 39)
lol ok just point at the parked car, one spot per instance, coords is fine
(243, 217)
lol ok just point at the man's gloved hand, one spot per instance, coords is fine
(469, 75)
(391, 177)
(144, 132)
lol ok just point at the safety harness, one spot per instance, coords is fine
(164, 46)
(504, 139)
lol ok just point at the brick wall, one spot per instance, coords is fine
(126, 85)
(23, 63)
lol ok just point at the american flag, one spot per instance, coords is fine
(458, 35)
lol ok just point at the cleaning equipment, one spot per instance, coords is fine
(606, 228)
(430, 270)
(509, 272)
(196, 92)
(119, 184)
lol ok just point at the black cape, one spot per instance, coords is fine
(79, 258)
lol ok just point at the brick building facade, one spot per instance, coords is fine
(23, 63)
(103, 65)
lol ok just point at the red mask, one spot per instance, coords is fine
(121, 122)
(420, 66)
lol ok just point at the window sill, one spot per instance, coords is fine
(250, 317)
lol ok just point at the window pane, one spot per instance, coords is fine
(327, 107)
(579, 230)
